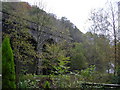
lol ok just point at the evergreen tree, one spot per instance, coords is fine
(8, 70)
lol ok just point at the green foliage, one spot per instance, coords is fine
(98, 51)
(22, 41)
(116, 79)
(0, 59)
(118, 70)
(61, 81)
(55, 59)
(87, 74)
(47, 84)
(88, 49)
(39, 16)
(27, 84)
(0, 67)
(78, 59)
(66, 81)
(27, 81)
(8, 67)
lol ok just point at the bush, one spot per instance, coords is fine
(34, 81)
(8, 70)
(118, 75)
(27, 84)
(88, 73)
(27, 81)
(47, 84)
(116, 79)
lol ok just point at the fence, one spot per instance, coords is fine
(100, 85)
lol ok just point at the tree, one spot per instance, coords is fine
(97, 51)
(8, 67)
(113, 23)
(1, 59)
(1, 67)
(55, 60)
(118, 69)
(43, 21)
(118, 52)
(105, 23)
(22, 42)
(78, 59)
(99, 21)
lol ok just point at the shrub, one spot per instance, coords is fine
(116, 78)
(8, 70)
(88, 73)
(118, 75)
(27, 84)
(47, 84)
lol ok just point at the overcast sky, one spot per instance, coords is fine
(77, 11)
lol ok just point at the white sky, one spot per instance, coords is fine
(77, 11)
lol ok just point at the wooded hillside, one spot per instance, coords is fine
(44, 45)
